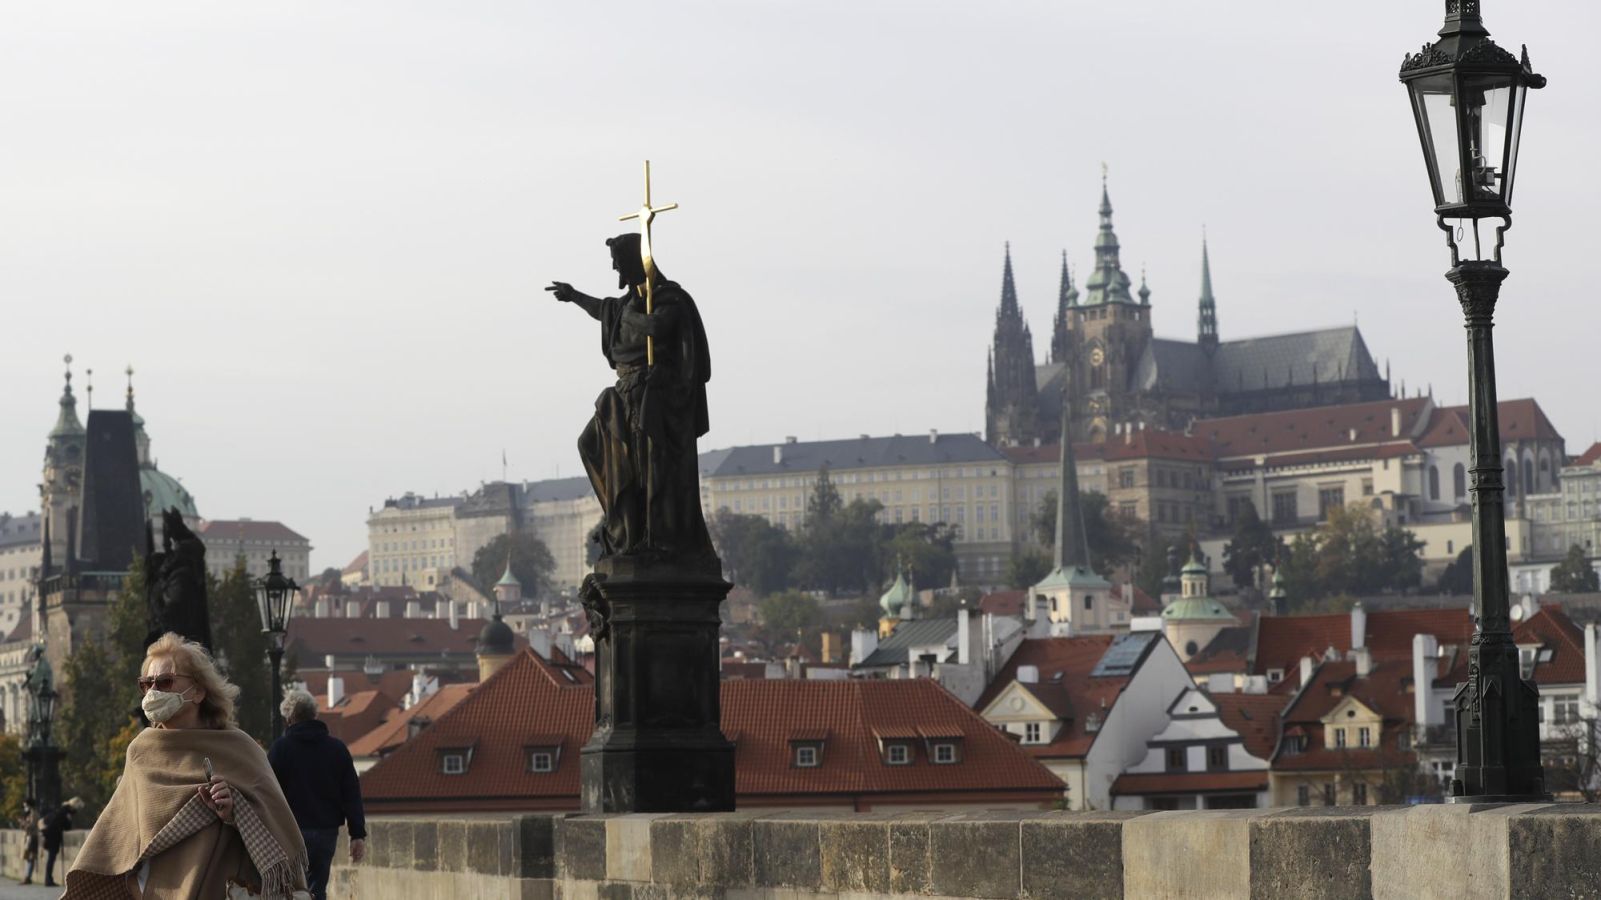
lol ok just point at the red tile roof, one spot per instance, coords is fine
(357, 565)
(312, 639)
(229, 530)
(525, 704)
(1306, 429)
(1003, 603)
(1065, 687)
(1281, 641)
(395, 730)
(392, 683)
(1254, 717)
(1553, 630)
(1188, 782)
(1588, 457)
(1520, 420)
(1146, 444)
(1386, 690)
(357, 714)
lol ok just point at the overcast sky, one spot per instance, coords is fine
(319, 230)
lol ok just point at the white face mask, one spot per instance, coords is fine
(159, 706)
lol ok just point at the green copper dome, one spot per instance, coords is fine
(1072, 577)
(1197, 609)
(896, 598)
(162, 491)
(508, 579)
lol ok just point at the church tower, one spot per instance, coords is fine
(61, 492)
(1107, 334)
(1011, 410)
(1208, 317)
(1066, 299)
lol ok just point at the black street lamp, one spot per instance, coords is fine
(275, 594)
(1467, 96)
(42, 755)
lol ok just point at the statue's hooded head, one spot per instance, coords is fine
(626, 260)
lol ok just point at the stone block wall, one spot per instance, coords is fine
(1416, 853)
(12, 842)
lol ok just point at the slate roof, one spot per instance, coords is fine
(1336, 354)
(1169, 365)
(892, 651)
(553, 489)
(111, 522)
(858, 453)
(16, 531)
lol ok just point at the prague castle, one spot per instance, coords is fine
(1122, 375)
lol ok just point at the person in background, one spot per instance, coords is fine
(29, 824)
(54, 827)
(319, 779)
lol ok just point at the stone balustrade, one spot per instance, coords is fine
(1514, 851)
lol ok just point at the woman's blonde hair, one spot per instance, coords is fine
(191, 659)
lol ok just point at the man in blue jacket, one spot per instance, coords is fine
(319, 781)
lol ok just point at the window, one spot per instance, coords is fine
(1125, 477)
(898, 754)
(1128, 509)
(944, 754)
(1328, 794)
(1367, 487)
(1329, 498)
(1089, 602)
(1339, 737)
(1217, 758)
(806, 757)
(1303, 795)
(1364, 737)
(1359, 794)
(1274, 676)
(1284, 508)
(1565, 711)
(1237, 506)
(1032, 733)
(1459, 481)
(541, 761)
(1175, 759)
(453, 764)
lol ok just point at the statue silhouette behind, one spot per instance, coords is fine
(175, 582)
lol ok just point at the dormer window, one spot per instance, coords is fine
(945, 753)
(1274, 676)
(898, 753)
(454, 763)
(541, 761)
(806, 756)
(543, 754)
(1033, 733)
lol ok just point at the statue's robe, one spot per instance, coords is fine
(639, 449)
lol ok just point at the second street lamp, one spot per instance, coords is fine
(275, 594)
(1467, 97)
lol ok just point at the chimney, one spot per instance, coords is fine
(1306, 670)
(413, 609)
(790, 439)
(1395, 421)
(933, 435)
(1425, 653)
(381, 609)
(1128, 434)
(1220, 683)
(1028, 674)
(328, 662)
(352, 609)
(336, 691)
(320, 610)
(1359, 626)
(863, 642)
(778, 454)
(539, 641)
(1364, 662)
(963, 636)
(455, 622)
(1592, 666)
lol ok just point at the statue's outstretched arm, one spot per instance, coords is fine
(566, 293)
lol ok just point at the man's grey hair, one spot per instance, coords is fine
(298, 706)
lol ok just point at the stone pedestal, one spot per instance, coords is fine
(658, 745)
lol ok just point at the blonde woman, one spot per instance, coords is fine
(198, 814)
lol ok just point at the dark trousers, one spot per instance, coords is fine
(320, 844)
(50, 865)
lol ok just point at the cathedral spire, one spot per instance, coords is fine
(1208, 314)
(1072, 538)
(1108, 283)
(1008, 287)
(1010, 413)
(1066, 298)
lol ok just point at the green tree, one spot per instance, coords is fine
(240, 649)
(788, 617)
(531, 562)
(755, 553)
(100, 694)
(928, 549)
(1027, 567)
(13, 778)
(1400, 565)
(1348, 555)
(1574, 574)
(1253, 546)
(840, 546)
(824, 502)
(1153, 568)
(1112, 537)
(1457, 578)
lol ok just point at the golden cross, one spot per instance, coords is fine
(646, 215)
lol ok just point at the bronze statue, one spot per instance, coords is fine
(175, 582)
(639, 448)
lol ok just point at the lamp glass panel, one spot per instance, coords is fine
(1519, 95)
(1437, 127)
(1487, 100)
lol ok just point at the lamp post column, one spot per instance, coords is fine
(1497, 710)
(276, 651)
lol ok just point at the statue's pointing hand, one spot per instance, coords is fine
(563, 291)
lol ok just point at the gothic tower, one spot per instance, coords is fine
(1066, 299)
(61, 492)
(1208, 316)
(1107, 334)
(1011, 410)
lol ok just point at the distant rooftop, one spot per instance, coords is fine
(864, 452)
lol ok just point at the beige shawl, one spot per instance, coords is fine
(156, 815)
